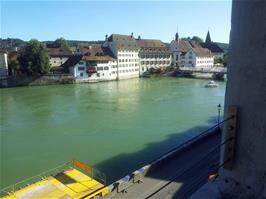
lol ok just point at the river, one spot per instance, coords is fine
(114, 126)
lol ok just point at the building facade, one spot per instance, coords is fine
(125, 50)
(58, 55)
(197, 58)
(153, 54)
(188, 54)
(92, 63)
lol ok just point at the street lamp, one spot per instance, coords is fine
(219, 112)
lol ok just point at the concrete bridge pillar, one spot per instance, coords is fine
(246, 89)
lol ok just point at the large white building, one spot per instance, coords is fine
(125, 50)
(189, 54)
(153, 54)
(197, 58)
(92, 63)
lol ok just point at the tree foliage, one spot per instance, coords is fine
(218, 61)
(34, 58)
(62, 42)
(197, 39)
(13, 67)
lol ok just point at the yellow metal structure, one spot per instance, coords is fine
(70, 183)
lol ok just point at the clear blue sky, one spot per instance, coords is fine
(87, 20)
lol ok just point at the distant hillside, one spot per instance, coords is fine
(223, 46)
(11, 42)
(76, 42)
(14, 42)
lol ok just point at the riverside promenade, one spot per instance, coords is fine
(178, 176)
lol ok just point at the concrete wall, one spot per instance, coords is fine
(246, 88)
(15, 81)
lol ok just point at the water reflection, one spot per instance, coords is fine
(45, 126)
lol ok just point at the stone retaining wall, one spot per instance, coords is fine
(36, 81)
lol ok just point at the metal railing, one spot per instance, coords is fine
(212, 169)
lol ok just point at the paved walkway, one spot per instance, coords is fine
(180, 176)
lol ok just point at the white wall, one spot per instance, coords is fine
(175, 53)
(154, 61)
(3, 65)
(191, 60)
(104, 71)
(128, 64)
(57, 61)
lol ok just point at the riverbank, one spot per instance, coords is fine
(19, 81)
(53, 79)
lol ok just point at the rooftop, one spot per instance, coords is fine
(58, 51)
(124, 41)
(96, 52)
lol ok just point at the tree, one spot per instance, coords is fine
(197, 39)
(218, 61)
(34, 58)
(62, 42)
(13, 67)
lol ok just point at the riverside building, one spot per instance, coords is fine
(153, 54)
(125, 50)
(188, 54)
(58, 54)
(92, 63)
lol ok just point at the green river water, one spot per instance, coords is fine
(114, 126)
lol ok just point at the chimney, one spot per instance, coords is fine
(139, 38)
(132, 35)
(106, 37)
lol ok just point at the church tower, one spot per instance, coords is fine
(208, 38)
(176, 36)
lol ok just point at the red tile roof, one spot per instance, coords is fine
(96, 52)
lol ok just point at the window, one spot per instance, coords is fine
(81, 74)
(81, 63)
(98, 75)
(99, 68)
(81, 68)
(106, 68)
(190, 57)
